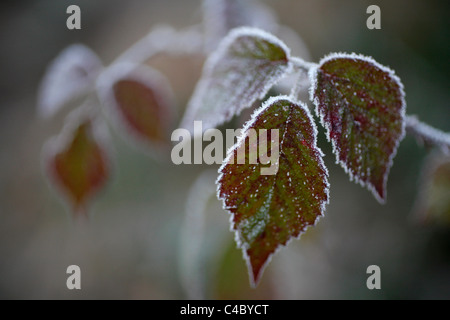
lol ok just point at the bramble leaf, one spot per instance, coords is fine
(78, 164)
(269, 210)
(361, 104)
(140, 100)
(70, 75)
(246, 65)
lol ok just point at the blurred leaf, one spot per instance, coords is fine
(193, 247)
(246, 65)
(362, 106)
(221, 16)
(70, 75)
(269, 210)
(434, 199)
(140, 101)
(140, 108)
(78, 165)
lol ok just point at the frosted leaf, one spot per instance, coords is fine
(140, 101)
(269, 210)
(77, 161)
(70, 75)
(246, 65)
(361, 104)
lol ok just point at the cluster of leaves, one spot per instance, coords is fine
(359, 102)
(136, 98)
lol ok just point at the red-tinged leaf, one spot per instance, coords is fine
(78, 164)
(70, 75)
(246, 65)
(140, 101)
(433, 203)
(362, 106)
(269, 210)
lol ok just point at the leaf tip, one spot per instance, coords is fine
(379, 192)
(270, 210)
(77, 164)
(255, 266)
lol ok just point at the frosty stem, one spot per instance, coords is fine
(302, 68)
(164, 39)
(301, 64)
(299, 84)
(427, 134)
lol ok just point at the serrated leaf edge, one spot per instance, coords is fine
(313, 80)
(240, 140)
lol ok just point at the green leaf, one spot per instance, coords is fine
(140, 101)
(246, 65)
(269, 210)
(77, 164)
(361, 104)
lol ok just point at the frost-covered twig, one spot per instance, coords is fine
(427, 134)
(301, 82)
(301, 64)
(167, 40)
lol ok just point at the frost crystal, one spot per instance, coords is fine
(243, 69)
(361, 104)
(269, 211)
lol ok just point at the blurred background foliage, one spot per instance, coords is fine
(130, 248)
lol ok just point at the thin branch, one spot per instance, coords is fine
(164, 39)
(301, 69)
(301, 82)
(301, 64)
(428, 135)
